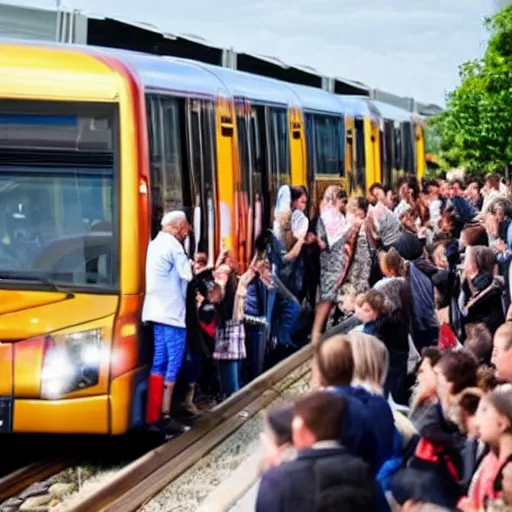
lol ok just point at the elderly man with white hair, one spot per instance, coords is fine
(168, 272)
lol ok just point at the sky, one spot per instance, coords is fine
(407, 47)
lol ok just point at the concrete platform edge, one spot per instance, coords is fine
(235, 487)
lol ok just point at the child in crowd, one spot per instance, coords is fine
(276, 438)
(200, 263)
(208, 298)
(393, 331)
(346, 305)
(370, 307)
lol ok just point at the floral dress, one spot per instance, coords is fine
(358, 274)
(333, 262)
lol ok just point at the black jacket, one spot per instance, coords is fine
(319, 480)
(393, 330)
(428, 473)
(485, 307)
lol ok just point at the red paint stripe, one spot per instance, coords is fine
(136, 88)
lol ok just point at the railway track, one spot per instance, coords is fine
(20, 479)
(141, 480)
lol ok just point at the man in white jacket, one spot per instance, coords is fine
(168, 272)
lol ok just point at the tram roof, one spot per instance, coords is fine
(359, 106)
(252, 87)
(187, 76)
(156, 72)
(391, 112)
(166, 73)
(318, 100)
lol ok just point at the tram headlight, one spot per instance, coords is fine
(71, 362)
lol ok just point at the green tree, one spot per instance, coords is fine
(475, 130)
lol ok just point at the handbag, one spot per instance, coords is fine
(230, 341)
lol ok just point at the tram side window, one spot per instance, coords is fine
(207, 140)
(329, 144)
(243, 147)
(165, 157)
(201, 169)
(398, 148)
(280, 145)
(256, 155)
(209, 190)
(311, 148)
(196, 167)
(408, 148)
(388, 153)
(360, 171)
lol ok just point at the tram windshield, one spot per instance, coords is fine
(57, 197)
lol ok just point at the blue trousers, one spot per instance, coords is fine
(229, 373)
(256, 344)
(170, 343)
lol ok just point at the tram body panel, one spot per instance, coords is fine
(74, 357)
(421, 160)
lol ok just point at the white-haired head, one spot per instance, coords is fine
(174, 217)
(176, 224)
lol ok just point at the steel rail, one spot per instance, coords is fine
(144, 478)
(20, 479)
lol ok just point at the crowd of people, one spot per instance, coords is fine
(406, 300)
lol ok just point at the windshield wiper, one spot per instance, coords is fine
(23, 276)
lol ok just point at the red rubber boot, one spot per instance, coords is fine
(155, 393)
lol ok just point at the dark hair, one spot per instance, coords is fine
(298, 191)
(322, 413)
(201, 258)
(336, 362)
(279, 420)
(479, 342)
(476, 235)
(429, 183)
(414, 185)
(483, 258)
(363, 204)
(263, 240)
(401, 181)
(457, 181)
(460, 369)
(486, 378)
(341, 194)
(469, 401)
(374, 186)
(450, 218)
(433, 354)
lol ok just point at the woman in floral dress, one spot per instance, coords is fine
(333, 234)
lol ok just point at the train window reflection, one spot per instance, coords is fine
(59, 224)
(165, 157)
(28, 125)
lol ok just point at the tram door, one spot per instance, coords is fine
(359, 175)
(387, 153)
(350, 154)
(200, 129)
(277, 157)
(183, 166)
(251, 186)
